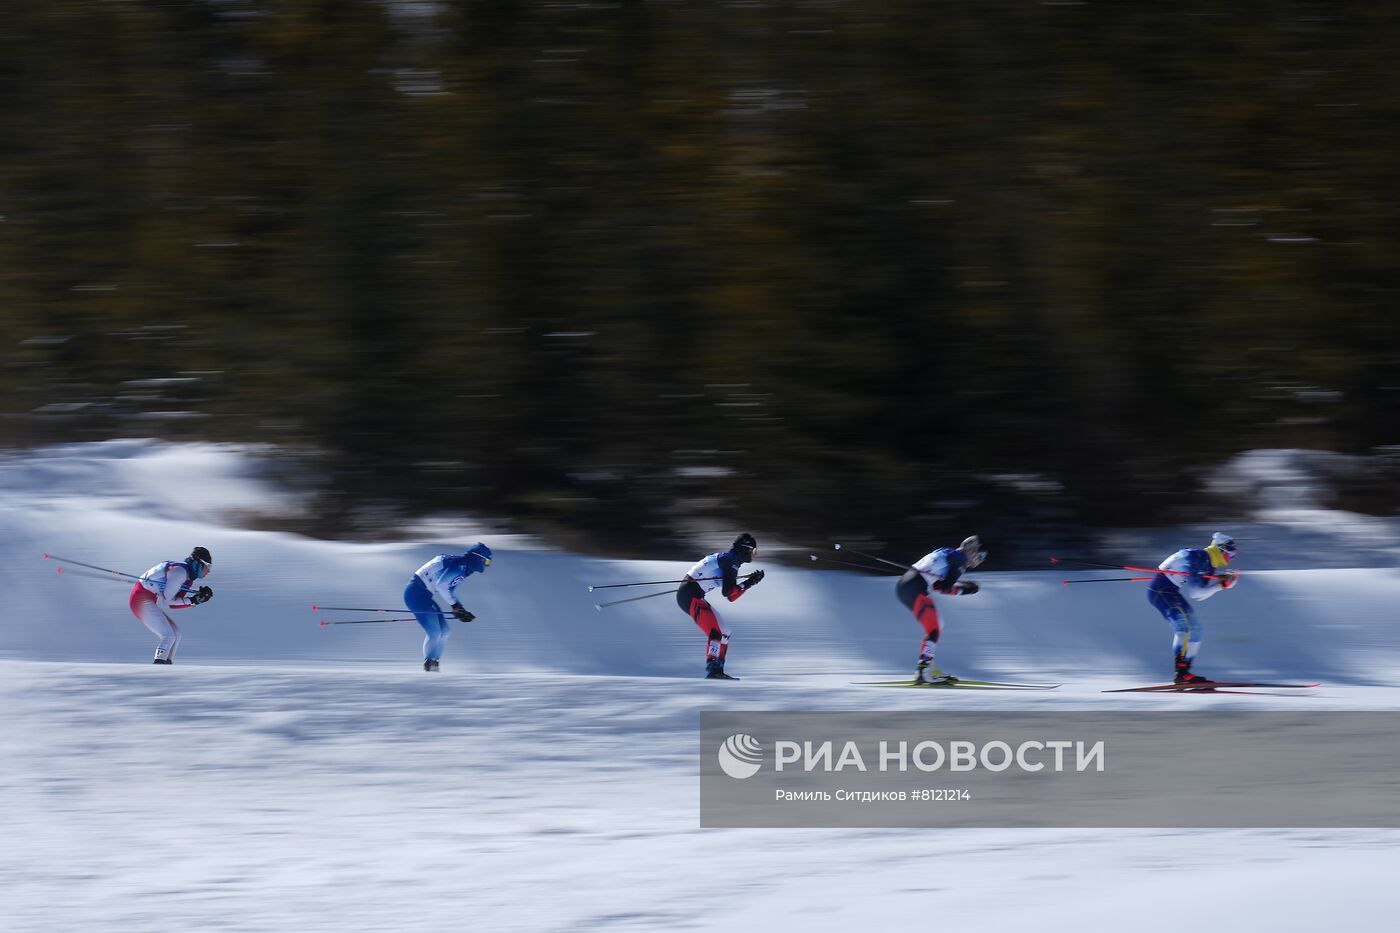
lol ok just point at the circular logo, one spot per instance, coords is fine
(740, 756)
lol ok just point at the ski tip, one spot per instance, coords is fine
(837, 546)
(314, 607)
(590, 589)
(324, 623)
(1065, 582)
(812, 556)
(1054, 560)
(46, 555)
(598, 607)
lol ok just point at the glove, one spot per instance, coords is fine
(202, 595)
(754, 578)
(461, 613)
(1228, 578)
(942, 586)
(966, 589)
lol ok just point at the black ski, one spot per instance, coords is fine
(1205, 685)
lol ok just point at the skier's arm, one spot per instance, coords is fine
(1201, 589)
(1202, 582)
(175, 578)
(445, 591)
(948, 583)
(729, 580)
(730, 586)
(448, 591)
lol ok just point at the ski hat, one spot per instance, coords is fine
(973, 550)
(744, 547)
(1224, 545)
(204, 563)
(480, 555)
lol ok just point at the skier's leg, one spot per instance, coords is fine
(913, 592)
(927, 614)
(716, 632)
(420, 602)
(1186, 642)
(1177, 611)
(1193, 635)
(910, 587)
(143, 606)
(691, 598)
(1186, 630)
(436, 640)
(175, 640)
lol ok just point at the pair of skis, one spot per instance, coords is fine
(957, 685)
(1212, 686)
(1208, 686)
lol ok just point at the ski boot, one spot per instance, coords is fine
(162, 661)
(714, 670)
(926, 676)
(1184, 675)
(430, 665)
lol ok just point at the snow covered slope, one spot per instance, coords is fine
(285, 776)
(321, 798)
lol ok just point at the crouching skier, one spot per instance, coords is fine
(937, 572)
(717, 570)
(1198, 573)
(166, 586)
(436, 582)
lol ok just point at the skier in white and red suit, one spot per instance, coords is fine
(166, 586)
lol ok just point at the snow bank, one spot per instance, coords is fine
(129, 504)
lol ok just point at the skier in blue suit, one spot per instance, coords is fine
(1198, 573)
(432, 596)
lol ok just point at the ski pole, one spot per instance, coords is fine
(1106, 580)
(316, 608)
(846, 563)
(902, 566)
(617, 602)
(78, 563)
(1095, 563)
(609, 586)
(325, 622)
(85, 575)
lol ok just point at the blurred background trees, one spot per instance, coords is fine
(626, 273)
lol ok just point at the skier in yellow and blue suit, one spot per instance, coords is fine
(1197, 573)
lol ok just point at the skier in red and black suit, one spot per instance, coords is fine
(720, 570)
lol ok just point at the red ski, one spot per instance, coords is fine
(1209, 685)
